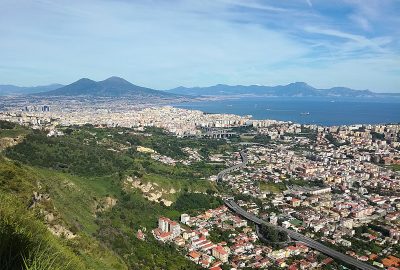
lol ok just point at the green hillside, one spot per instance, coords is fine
(81, 180)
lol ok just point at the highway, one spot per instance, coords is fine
(236, 167)
(233, 206)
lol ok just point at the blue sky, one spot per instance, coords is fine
(165, 44)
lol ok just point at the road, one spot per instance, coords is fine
(236, 167)
(292, 234)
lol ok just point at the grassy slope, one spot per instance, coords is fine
(73, 206)
(25, 241)
(76, 187)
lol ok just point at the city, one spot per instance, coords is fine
(195, 135)
(337, 185)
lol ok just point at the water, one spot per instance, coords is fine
(327, 112)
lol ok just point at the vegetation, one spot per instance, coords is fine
(11, 130)
(7, 125)
(395, 167)
(79, 171)
(334, 141)
(262, 139)
(26, 243)
(377, 136)
(272, 186)
(196, 201)
(217, 235)
(272, 235)
(68, 154)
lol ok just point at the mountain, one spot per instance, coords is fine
(111, 87)
(7, 89)
(297, 89)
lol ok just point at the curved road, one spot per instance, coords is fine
(222, 173)
(292, 234)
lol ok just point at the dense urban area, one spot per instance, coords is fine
(152, 187)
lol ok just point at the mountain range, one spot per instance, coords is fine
(7, 89)
(119, 87)
(297, 89)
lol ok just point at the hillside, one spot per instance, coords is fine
(111, 87)
(298, 89)
(75, 186)
(7, 89)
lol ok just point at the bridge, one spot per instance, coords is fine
(236, 167)
(218, 133)
(233, 206)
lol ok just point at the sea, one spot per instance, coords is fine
(320, 111)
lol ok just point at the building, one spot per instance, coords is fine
(169, 226)
(185, 218)
(220, 253)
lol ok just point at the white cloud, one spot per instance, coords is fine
(164, 44)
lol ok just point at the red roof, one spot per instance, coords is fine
(194, 254)
(220, 250)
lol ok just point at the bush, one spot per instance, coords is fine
(196, 201)
(6, 125)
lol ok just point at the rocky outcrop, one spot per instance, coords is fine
(151, 191)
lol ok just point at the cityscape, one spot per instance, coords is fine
(336, 185)
(195, 135)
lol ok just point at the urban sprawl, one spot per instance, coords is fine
(338, 185)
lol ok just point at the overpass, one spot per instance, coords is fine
(233, 206)
(299, 237)
(236, 167)
(218, 133)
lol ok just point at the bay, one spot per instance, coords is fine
(326, 112)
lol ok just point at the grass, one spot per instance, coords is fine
(178, 184)
(71, 204)
(88, 174)
(246, 138)
(75, 196)
(395, 167)
(272, 187)
(13, 133)
(27, 244)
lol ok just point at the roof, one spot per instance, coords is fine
(194, 254)
(391, 261)
(220, 250)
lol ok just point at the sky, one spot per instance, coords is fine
(165, 44)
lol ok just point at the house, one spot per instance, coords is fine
(161, 235)
(140, 235)
(194, 256)
(391, 261)
(295, 202)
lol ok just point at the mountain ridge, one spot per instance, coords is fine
(110, 87)
(8, 89)
(299, 89)
(118, 87)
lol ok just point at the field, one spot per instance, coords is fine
(272, 187)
